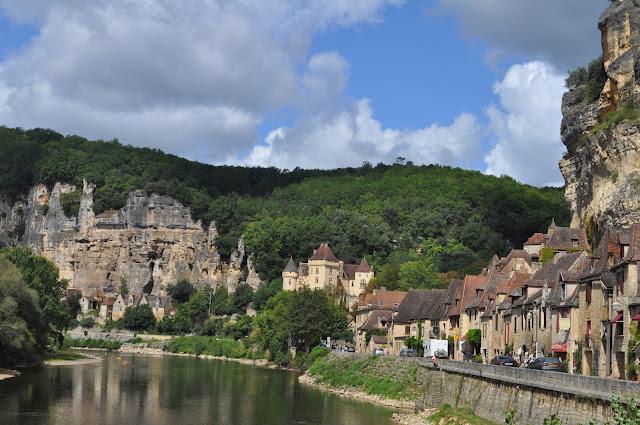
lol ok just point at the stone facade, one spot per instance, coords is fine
(149, 244)
(324, 271)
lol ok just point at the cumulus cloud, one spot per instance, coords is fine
(525, 126)
(563, 32)
(188, 77)
(349, 135)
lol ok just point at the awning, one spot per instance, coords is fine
(617, 318)
(636, 317)
(559, 348)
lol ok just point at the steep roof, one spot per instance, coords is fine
(383, 298)
(562, 239)
(421, 304)
(324, 253)
(350, 271)
(535, 239)
(374, 319)
(291, 266)
(453, 293)
(364, 267)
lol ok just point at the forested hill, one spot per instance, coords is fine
(412, 222)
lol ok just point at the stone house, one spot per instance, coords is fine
(119, 307)
(106, 309)
(324, 271)
(459, 318)
(419, 316)
(89, 302)
(609, 301)
(373, 316)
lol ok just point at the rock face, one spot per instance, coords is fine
(150, 243)
(602, 164)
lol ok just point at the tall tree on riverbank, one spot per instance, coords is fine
(42, 276)
(23, 330)
(299, 319)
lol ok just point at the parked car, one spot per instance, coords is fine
(441, 354)
(378, 352)
(547, 363)
(504, 360)
(351, 349)
(408, 352)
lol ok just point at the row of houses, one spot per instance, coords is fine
(553, 297)
(112, 306)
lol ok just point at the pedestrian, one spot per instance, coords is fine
(434, 360)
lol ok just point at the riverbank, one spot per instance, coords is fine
(356, 394)
(151, 351)
(76, 362)
(8, 373)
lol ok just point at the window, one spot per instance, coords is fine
(589, 289)
(330, 280)
(574, 242)
(544, 319)
(330, 271)
(407, 330)
(515, 324)
(495, 322)
(619, 325)
(588, 330)
(563, 291)
(316, 280)
(317, 270)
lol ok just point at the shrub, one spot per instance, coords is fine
(210, 346)
(589, 81)
(625, 111)
(92, 343)
(71, 203)
(138, 318)
(87, 322)
(303, 361)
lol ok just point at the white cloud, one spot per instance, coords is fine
(525, 127)
(563, 32)
(187, 77)
(335, 131)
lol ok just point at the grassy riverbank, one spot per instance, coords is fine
(375, 375)
(212, 346)
(107, 344)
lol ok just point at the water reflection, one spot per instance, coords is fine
(173, 391)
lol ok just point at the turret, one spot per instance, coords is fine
(290, 276)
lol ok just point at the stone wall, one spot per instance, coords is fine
(533, 395)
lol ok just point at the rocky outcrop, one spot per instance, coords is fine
(151, 243)
(602, 164)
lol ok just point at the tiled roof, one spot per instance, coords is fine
(421, 304)
(562, 239)
(518, 253)
(453, 292)
(382, 298)
(324, 253)
(350, 271)
(364, 267)
(535, 239)
(291, 266)
(374, 319)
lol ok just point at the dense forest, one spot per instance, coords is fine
(416, 224)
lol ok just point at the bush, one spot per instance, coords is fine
(625, 111)
(210, 346)
(87, 322)
(71, 203)
(589, 81)
(181, 292)
(304, 361)
(108, 344)
(138, 318)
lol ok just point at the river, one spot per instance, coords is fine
(173, 391)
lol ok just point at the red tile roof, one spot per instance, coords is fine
(535, 239)
(324, 253)
(350, 271)
(388, 299)
(364, 267)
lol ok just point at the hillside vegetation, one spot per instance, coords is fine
(414, 224)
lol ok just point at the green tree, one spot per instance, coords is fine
(222, 302)
(181, 291)
(123, 288)
(266, 291)
(138, 318)
(23, 329)
(242, 297)
(299, 319)
(41, 275)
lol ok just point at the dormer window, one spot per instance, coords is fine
(563, 291)
(574, 242)
(624, 250)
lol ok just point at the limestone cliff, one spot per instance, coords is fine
(150, 243)
(602, 164)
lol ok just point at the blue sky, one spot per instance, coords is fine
(471, 83)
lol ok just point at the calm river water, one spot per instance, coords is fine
(173, 391)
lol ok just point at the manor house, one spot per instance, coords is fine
(324, 271)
